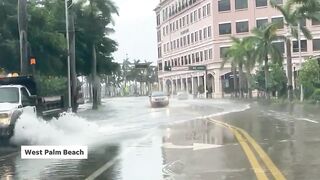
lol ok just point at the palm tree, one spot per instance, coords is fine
(263, 39)
(292, 19)
(100, 13)
(235, 54)
(250, 60)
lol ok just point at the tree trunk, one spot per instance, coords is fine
(22, 25)
(94, 79)
(235, 84)
(241, 81)
(266, 74)
(249, 84)
(289, 70)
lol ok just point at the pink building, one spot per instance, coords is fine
(196, 32)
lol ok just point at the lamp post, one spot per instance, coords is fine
(68, 54)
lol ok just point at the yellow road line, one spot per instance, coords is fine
(277, 174)
(250, 155)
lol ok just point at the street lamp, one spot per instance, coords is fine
(68, 53)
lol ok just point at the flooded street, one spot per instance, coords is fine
(192, 139)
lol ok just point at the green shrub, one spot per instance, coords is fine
(316, 95)
(51, 86)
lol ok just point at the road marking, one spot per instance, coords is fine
(263, 155)
(194, 146)
(110, 163)
(258, 170)
(308, 120)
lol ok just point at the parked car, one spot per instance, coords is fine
(159, 99)
(182, 95)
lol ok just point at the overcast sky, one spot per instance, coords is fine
(136, 30)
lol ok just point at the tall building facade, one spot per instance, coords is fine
(197, 33)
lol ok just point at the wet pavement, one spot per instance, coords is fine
(128, 139)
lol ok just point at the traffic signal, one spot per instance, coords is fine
(33, 61)
(167, 68)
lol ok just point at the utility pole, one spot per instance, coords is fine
(22, 23)
(73, 64)
(68, 53)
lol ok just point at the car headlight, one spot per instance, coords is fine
(5, 118)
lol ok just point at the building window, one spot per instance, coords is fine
(261, 23)
(225, 28)
(304, 47)
(199, 13)
(197, 57)
(241, 4)
(196, 36)
(178, 43)
(159, 52)
(205, 55)
(183, 21)
(260, 3)
(280, 46)
(205, 33)
(316, 44)
(188, 38)
(208, 10)
(158, 19)
(164, 31)
(200, 35)
(242, 27)
(210, 53)
(159, 36)
(204, 11)
(209, 32)
(224, 5)
(185, 60)
(223, 51)
(280, 20)
(184, 41)
(201, 55)
(195, 15)
(187, 19)
(189, 59)
(315, 22)
(160, 66)
(191, 18)
(164, 48)
(193, 58)
(192, 37)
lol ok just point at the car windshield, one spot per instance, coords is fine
(157, 94)
(9, 95)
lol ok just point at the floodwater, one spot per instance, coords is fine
(129, 140)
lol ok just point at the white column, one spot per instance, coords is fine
(198, 77)
(164, 85)
(187, 84)
(218, 85)
(192, 85)
(205, 85)
(172, 87)
(177, 87)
